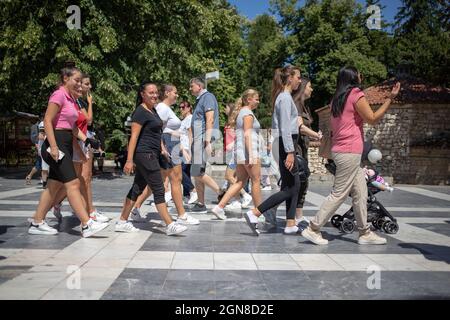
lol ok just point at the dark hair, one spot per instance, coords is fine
(185, 103)
(299, 99)
(85, 76)
(67, 71)
(347, 80)
(168, 87)
(280, 79)
(198, 80)
(141, 89)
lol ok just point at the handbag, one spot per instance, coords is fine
(325, 146)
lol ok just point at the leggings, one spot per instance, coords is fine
(290, 185)
(148, 172)
(187, 183)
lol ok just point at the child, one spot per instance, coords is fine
(378, 182)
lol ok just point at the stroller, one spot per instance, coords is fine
(377, 214)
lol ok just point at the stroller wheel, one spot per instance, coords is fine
(336, 220)
(390, 227)
(347, 226)
(379, 223)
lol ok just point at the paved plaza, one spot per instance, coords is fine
(221, 260)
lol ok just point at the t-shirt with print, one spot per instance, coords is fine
(68, 112)
(150, 137)
(206, 102)
(347, 129)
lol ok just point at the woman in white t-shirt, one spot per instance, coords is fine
(185, 146)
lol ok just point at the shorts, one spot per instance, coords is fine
(76, 156)
(61, 170)
(38, 163)
(199, 159)
(45, 166)
(173, 148)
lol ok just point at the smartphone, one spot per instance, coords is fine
(60, 155)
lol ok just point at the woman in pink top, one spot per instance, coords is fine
(57, 150)
(349, 110)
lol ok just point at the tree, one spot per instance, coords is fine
(120, 43)
(329, 34)
(267, 50)
(421, 39)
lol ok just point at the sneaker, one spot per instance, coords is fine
(219, 213)
(252, 221)
(302, 223)
(246, 200)
(98, 216)
(92, 227)
(57, 212)
(266, 188)
(187, 219)
(314, 236)
(198, 208)
(136, 215)
(44, 185)
(193, 197)
(168, 196)
(175, 228)
(235, 205)
(41, 228)
(291, 230)
(125, 227)
(371, 238)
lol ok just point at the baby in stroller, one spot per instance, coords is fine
(377, 214)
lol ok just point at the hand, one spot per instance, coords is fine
(208, 149)
(289, 162)
(395, 90)
(319, 135)
(94, 144)
(129, 167)
(89, 98)
(54, 153)
(186, 156)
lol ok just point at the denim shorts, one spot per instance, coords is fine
(173, 147)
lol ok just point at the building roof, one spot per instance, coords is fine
(412, 91)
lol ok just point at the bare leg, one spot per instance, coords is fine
(200, 183)
(175, 177)
(140, 200)
(254, 171)
(46, 201)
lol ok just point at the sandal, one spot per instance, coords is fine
(27, 180)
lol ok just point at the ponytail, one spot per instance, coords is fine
(280, 80)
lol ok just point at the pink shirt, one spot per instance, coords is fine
(68, 111)
(347, 130)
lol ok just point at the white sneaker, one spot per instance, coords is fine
(235, 205)
(314, 236)
(98, 216)
(371, 238)
(187, 219)
(57, 212)
(246, 200)
(168, 196)
(252, 221)
(302, 219)
(125, 227)
(92, 227)
(175, 228)
(219, 213)
(41, 228)
(193, 198)
(266, 188)
(291, 230)
(136, 215)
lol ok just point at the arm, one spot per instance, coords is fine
(364, 110)
(304, 130)
(89, 113)
(284, 120)
(248, 130)
(209, 125)
(50, 114)
(135, 131)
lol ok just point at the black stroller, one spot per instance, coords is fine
(377, 214)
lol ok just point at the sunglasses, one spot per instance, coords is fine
(183, 107)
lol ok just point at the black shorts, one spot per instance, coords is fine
(61, 170)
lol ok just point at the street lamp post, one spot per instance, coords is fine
(211, 76)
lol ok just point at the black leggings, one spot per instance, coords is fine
(290, 185)
(148, 172)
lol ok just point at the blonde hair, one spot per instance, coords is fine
(249, 93)
(235, 108)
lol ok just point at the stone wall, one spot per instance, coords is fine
(393, 135)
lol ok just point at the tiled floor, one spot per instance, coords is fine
(222, 259)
